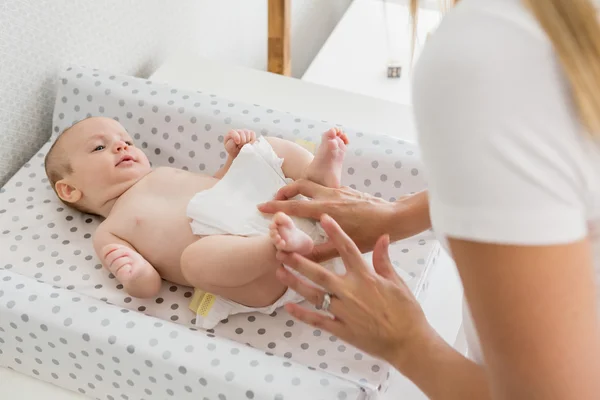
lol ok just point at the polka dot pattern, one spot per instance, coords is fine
(52, 244)
(89, 359)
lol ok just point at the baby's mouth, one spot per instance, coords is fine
(125, 159)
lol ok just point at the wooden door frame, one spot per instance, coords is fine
(279, 60)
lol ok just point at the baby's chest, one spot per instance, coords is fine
(149, 223)
(154, 222)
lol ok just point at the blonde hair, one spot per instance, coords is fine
(574, 31)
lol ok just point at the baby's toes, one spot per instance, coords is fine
(280, 243)
(343, 137)
(276, 240)
(330, 134)
(282, 220)
(333, 145)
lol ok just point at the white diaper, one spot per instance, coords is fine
(229, 207)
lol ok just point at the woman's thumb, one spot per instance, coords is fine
(381, 258)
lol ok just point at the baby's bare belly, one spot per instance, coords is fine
(153, 218)
(163, 249)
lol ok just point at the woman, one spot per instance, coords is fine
(507, 104)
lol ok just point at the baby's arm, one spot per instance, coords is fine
(138, 276)
(233, 142)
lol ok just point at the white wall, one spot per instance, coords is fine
(236, 30)
(40, 38)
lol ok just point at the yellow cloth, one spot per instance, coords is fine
(202, 302)
(310, 146)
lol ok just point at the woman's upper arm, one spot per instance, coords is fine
(503, 156)
(535, 312)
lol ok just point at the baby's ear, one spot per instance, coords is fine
(67, 192)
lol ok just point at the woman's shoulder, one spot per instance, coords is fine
(504, 149)
(483, 39)
(496, 21)
(487, 65)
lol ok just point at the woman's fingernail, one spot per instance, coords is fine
(325, 218)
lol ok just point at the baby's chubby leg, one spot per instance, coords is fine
(325, 168)
(295, 157)
(241, 269)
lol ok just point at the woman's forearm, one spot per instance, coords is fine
(432, 364)
(410, 216)
(441, 372)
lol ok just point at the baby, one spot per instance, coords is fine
(94, 167)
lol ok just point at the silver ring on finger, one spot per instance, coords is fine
(326, 302)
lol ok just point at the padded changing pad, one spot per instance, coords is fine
(46, 253)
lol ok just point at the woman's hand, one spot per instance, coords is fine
(372, 310)
(362, 216)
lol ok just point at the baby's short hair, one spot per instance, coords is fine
(58, 165)
(57, 162)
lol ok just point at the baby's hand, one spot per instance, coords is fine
(125, 263)
(236, 139)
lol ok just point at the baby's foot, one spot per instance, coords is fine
(326, 168)
(287, 237)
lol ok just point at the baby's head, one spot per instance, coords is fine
(93, 162)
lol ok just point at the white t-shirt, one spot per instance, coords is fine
(506, 157)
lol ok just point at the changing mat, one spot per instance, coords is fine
(46, 254)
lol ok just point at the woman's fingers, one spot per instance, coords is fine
(312, 294)
(296, 208)
(381, 259)
(303, 187)
(348, 250)
(323, 252)
(313, 271)
(292, 190)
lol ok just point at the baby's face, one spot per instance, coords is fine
(103, 158)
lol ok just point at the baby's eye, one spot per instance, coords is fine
(129, 143)
(99, 148)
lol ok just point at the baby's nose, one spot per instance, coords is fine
(121, 146)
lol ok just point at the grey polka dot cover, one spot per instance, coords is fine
(64, 319)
